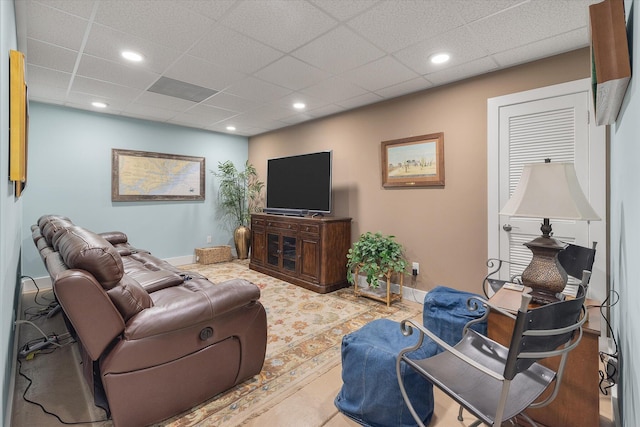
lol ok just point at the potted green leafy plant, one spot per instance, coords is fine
(375, 255)
(239, 197)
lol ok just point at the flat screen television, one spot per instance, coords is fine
(299, 185)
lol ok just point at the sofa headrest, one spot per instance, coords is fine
(85, 250)
(46, 218)
(115, 237)
(51, 225)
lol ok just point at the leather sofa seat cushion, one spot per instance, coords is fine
(153, 281)
(85, 250)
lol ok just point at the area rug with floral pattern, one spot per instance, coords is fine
(304, 335)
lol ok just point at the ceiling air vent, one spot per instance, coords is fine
(182, 90)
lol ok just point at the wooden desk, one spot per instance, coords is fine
(577, 403)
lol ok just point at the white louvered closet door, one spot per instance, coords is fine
(529, 127)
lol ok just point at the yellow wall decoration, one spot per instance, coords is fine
(17, 121)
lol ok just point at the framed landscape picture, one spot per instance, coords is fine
(143, 175)
(417, 161)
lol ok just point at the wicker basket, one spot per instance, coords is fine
(213, 255)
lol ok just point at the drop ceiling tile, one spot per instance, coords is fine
(297, 118)
(291, 73)
(210, 9)
(379, 74)
(84, 100)
(359, 101)
(463, 71)
(202, 73)
(473, 10)
(148, 112)
(231, 102)
(100, 69)
(56, 27)
(247, 120)
(543, 48)
(208, 114)
(270, 111)
(458, 43)
(333, 90)
(237, 51)
(311, 102)
(162, 21)
(46, 93)
(411, 21)
(45, 76)
(102, 89)
(81, 8)
(50, 56)
(410, 86)
(282, 24)
(327, 110)
(529, 22)
(343, 10)
(152, 99)
(337, 51)
(259, 90)
(108, 43)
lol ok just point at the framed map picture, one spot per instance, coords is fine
(417, 161)
(143, 175)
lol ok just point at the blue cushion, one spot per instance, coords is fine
(370, 394)
(445, 313)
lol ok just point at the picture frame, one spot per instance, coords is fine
(150, 176)
(18, 122)
(417, 161)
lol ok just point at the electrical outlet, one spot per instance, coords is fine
(416, 268)
(208, 239)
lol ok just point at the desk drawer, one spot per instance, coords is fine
(312, 229)
(282, 225)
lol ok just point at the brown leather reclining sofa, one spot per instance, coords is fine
(155, 340)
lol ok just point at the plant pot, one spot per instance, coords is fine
(242, 240)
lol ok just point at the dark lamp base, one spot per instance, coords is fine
(544, 275)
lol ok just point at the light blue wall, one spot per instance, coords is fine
(625, 232)
(70, 174)
(10, 211)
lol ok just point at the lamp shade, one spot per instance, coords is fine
(549, 190)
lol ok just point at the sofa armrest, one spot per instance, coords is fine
(90, 310)
(195, 302)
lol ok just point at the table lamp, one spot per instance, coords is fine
(548, 190)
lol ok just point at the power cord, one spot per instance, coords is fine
(46, 309)
(41, 406)
(34, 347)
(608, 376)
(413, 285)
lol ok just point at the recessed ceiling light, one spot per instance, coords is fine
(299, 105)
(231, 128)
(440, 58)
(131, 56)
(99, 104)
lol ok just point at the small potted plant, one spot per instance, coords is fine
(239, 197)
(375, 255)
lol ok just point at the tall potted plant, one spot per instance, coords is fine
(239, 197)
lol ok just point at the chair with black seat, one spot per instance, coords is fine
(575, 259)
(497, 383)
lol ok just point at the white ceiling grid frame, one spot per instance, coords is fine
(333, 55)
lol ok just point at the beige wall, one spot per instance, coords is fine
(444, 229)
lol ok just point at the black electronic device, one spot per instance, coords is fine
(299, 185)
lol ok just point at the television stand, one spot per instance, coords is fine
(308, 252)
